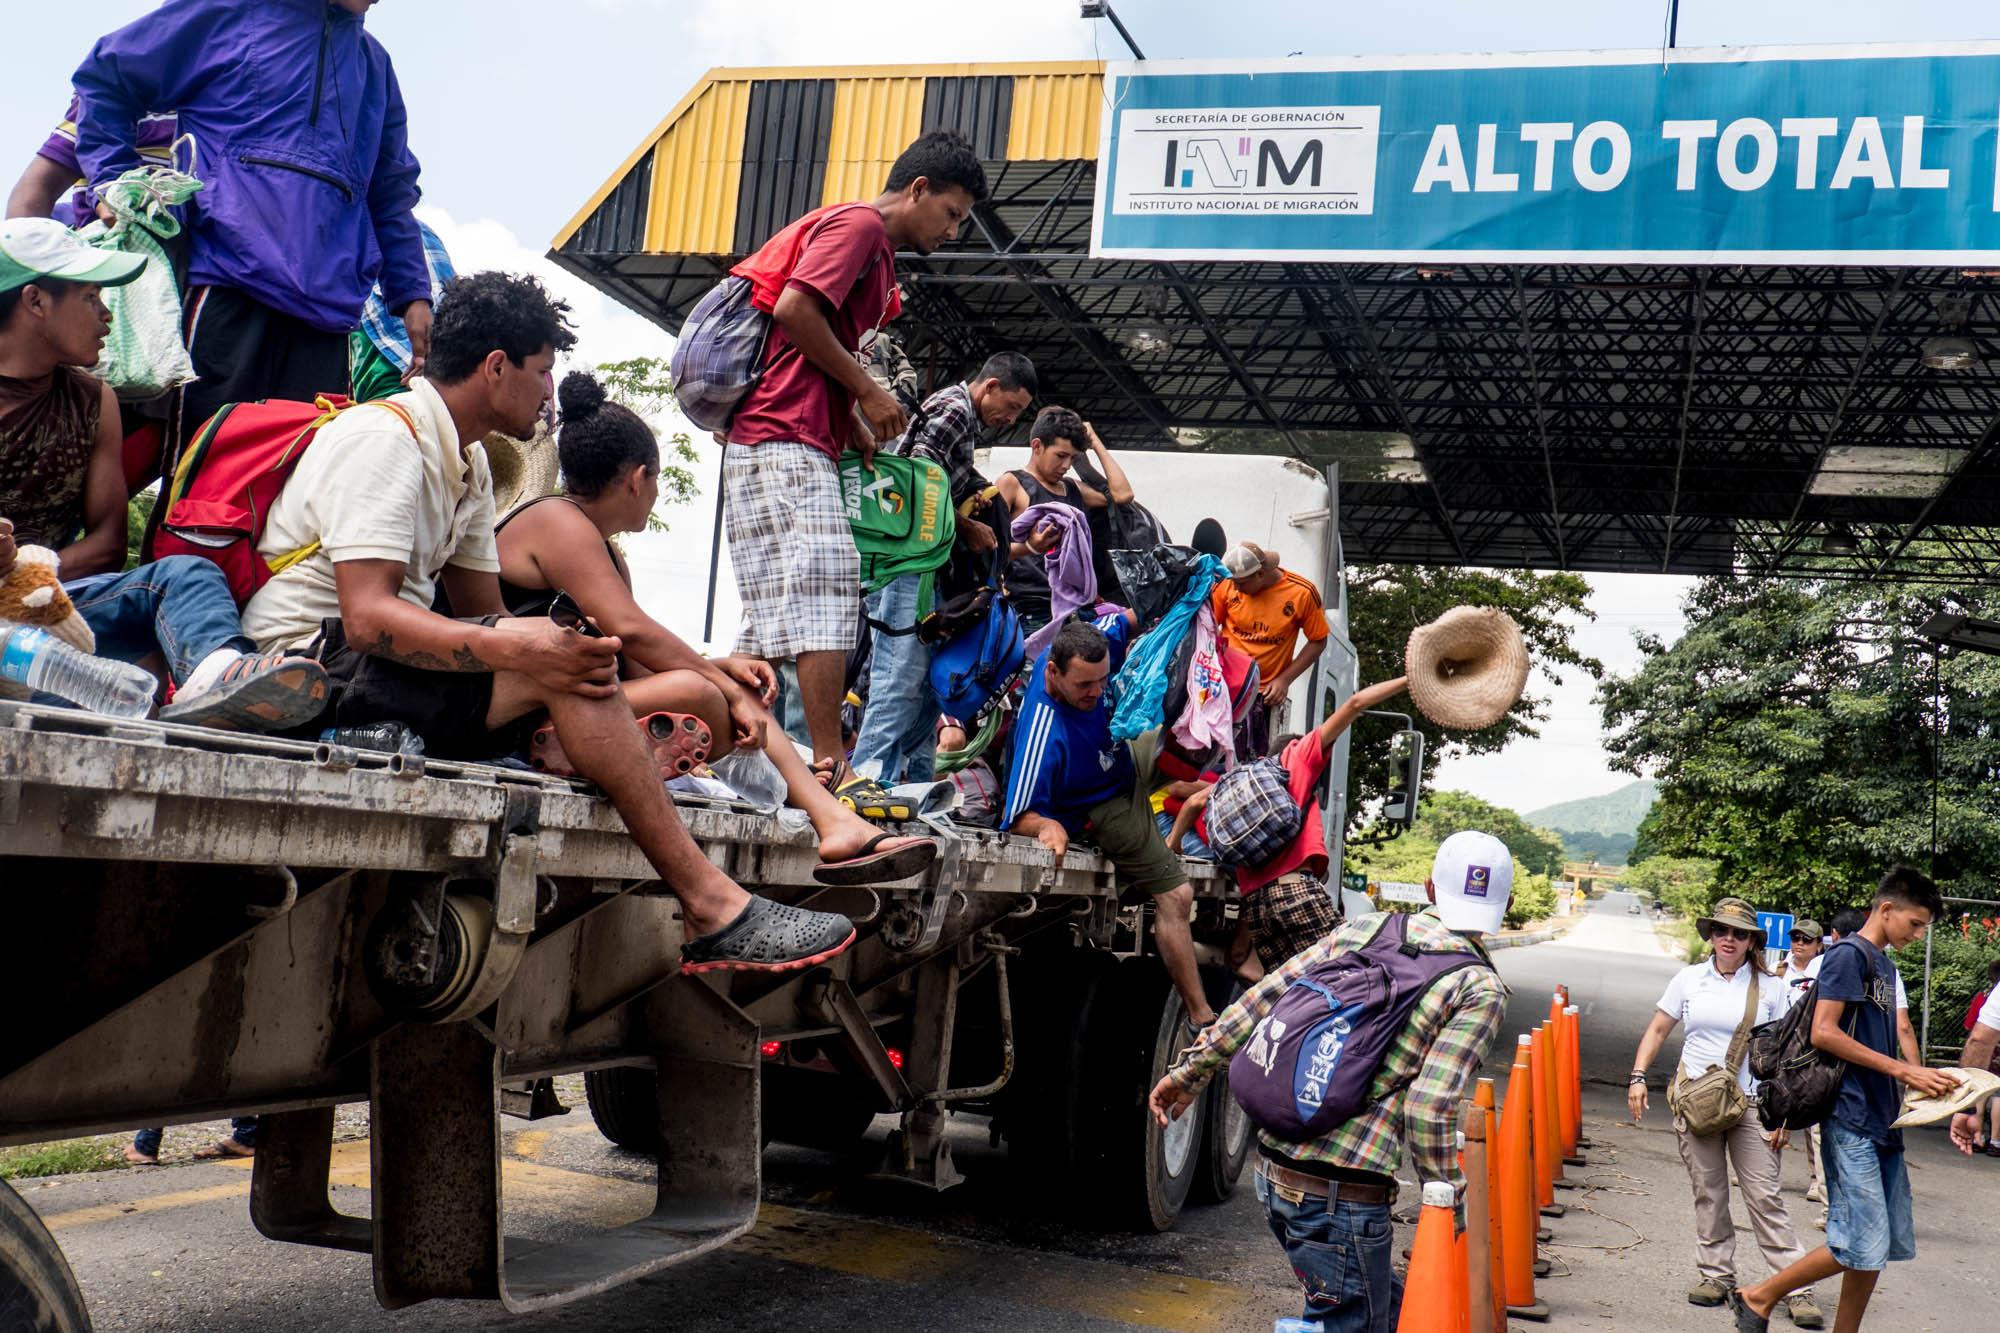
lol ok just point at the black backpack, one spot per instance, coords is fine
(1801, 1082)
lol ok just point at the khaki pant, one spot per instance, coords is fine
(1708, 1165)
(1809, 1139)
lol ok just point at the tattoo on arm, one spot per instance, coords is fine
(463, 659)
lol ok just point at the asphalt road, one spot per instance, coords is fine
(172, 1248)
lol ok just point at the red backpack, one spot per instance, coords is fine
(229, 477)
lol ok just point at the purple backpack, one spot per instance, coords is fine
(1308, 1066)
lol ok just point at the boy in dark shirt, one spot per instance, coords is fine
(1867, 1183)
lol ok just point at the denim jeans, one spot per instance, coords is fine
(1191, 843)
(179, 606)
(899, 726)
(1868, 1221)
(242, 1128)
(1340, 1256)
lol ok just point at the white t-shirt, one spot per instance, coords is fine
(1989, 1013)
(367, 490)
(1902, 992)
(1709, 1006)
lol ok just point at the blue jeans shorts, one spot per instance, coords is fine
(1340, 1256)
(1867, 1200)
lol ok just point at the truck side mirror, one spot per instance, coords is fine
(1406, 777)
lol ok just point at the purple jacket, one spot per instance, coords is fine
(301, 146)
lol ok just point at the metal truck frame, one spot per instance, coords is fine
(210, 923)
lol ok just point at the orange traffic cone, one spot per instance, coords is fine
(1434, 1293)
(1461, 1264)
(1573, 1050)
(1517, 1186)
(1482, 1097)
(1566, 1103)
(1548, 1155)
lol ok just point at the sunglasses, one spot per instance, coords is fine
(1732, 933)
(564, 611)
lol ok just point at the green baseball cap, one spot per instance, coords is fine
(32, 248)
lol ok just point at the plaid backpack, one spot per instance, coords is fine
(1251, 814)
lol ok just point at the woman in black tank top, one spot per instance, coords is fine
(611, 469)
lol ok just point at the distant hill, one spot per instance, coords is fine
(1600, 828)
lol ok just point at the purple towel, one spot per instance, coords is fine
(1072, 580)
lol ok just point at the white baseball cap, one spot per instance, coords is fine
(1246, 558)
(1473, 877)
(32, 248)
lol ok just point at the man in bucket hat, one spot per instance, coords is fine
(1328, 1198)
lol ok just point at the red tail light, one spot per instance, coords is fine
(895, 1057)
(771, 1049)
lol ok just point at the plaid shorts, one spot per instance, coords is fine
(797, 571)
(1289, 916)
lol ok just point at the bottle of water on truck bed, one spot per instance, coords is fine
(37, 659)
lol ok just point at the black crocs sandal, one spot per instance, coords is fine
(1747, 1319)
(768, 937)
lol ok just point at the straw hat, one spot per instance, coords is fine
(523, 470)
(1467, 667)
(1974, 1085)
(1731, 912)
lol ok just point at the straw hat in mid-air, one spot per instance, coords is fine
(1467, 667)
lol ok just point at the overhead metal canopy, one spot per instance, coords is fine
(1682, 419)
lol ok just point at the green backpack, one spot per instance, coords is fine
(901, 515)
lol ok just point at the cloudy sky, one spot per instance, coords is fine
(520, 109)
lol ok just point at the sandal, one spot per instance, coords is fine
(768, 937)
(680, 743)
(871, 800)
(870, 866)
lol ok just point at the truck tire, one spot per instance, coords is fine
(830, 1112)
(38, 1293)
(1226, 1140)
(625, 1103)
(1049, 1110)
(1146, 1171)
(1227, 1136)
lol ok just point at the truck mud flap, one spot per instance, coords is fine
(439, 1227)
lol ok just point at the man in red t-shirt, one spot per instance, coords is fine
(796, 567)
(1287, 903)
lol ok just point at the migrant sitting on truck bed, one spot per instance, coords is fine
(430, 936)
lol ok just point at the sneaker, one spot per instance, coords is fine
(768, 937)
(1993, 1150)
(257, 693)
(1815, 1193)
(1709, 1292)
(1805, 1314)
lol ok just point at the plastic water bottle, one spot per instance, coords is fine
(31, 656)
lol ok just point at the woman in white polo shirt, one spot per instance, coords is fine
(1710, 1000)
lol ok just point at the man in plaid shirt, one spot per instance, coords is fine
(898, 728)
(1328, 1198)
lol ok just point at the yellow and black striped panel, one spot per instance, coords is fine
(747, 150)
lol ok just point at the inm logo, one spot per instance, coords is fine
(1221, 165)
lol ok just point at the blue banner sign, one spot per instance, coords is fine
(1777, 927)
(1842, 155)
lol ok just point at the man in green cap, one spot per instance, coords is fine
(62, 486)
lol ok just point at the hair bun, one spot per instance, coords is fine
(580, 395)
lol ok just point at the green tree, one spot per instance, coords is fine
(1792, 727)
(1684, 884)
(1407, 859)
(138, 512)
(1386, 602)
(1441, 814)
(643, 384)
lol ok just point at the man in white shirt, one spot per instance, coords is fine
(395, 500)
(1978, 1054)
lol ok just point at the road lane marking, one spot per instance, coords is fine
(827, 1241)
